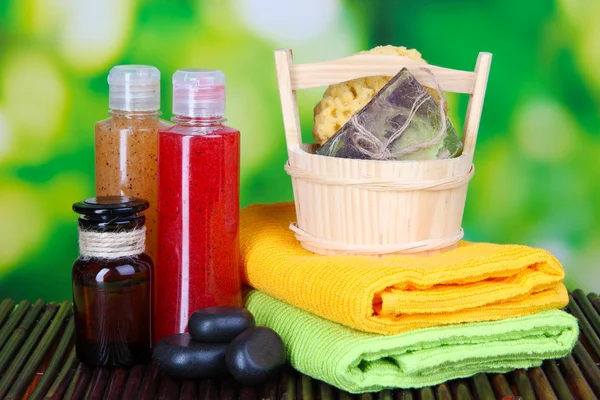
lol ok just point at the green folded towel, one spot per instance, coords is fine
(363, 362)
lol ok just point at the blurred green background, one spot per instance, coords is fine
(538, 163)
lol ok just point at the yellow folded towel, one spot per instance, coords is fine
(390, 295)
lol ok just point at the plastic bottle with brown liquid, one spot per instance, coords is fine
(126, 143)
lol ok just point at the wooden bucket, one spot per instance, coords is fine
(377, 208)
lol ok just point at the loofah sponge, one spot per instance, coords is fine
(342, 100)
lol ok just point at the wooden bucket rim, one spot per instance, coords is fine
(458, 160)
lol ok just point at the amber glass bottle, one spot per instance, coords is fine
(112, 283)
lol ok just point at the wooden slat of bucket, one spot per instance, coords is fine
(13, 321)
(34, 359)
(18, 362)
(6, 308)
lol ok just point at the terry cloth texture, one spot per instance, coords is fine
(390, 295)
(363, 362)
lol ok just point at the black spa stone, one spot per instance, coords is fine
(181, 357)
(255, 355)
(219, 324)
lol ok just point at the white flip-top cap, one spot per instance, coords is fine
(134, 88)
(199, 93)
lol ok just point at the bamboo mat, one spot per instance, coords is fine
(37, 361)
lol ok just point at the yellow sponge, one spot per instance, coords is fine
(342, 100)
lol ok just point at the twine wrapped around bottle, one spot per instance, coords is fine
(111, 245)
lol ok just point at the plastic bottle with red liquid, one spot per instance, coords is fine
(198, 261)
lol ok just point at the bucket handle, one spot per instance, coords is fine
(292, 77)
(475, 106)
